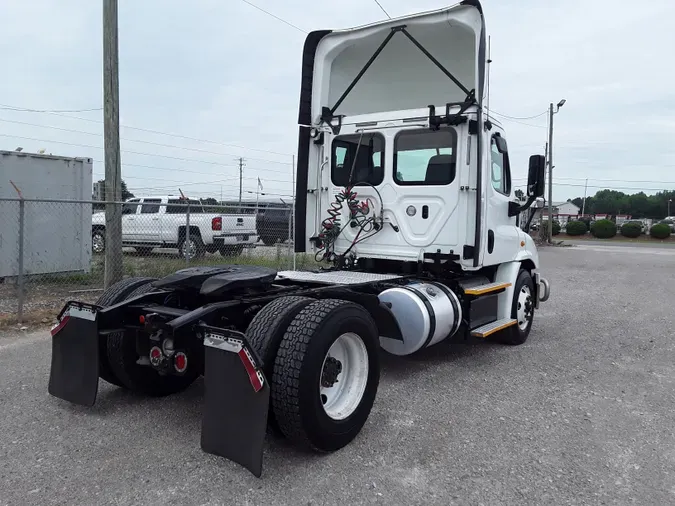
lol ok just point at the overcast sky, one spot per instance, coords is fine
(226, 72)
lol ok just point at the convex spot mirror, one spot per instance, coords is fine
(535, 176)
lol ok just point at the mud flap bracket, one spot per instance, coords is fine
(236, 399)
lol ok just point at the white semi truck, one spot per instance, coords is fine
(403, 189)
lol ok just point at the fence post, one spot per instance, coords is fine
(187, 234)
(22, 214)
(290, 242)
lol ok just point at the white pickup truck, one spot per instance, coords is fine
(161, 222)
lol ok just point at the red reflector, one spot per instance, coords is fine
(256, 380)
(217, 223)
(59, 326)
(141, 319)
(180, 362)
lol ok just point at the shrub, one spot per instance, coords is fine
(660, 231)
(576, 228)
(555, 228)
(603, 229)
(631, 229)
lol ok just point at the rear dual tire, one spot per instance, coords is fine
(305, 410)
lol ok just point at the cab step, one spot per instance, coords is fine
(485, 289)
(490, 328)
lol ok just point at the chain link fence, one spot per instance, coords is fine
(52, 251)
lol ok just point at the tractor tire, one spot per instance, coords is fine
(114, 295)
(266, 331)
(522, 309)
(308, 411)
(122, 356)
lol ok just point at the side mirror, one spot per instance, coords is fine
(535, 176)
(501, 144)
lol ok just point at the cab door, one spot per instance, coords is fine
(501, 239)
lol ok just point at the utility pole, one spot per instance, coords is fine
(583, 205)
(550, 174)
(241, 179)
(111, 128)
(550, 168)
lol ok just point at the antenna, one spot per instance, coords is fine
(489, 61)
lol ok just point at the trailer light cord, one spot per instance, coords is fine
(358, 216)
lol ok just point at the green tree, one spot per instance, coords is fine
(126, 194)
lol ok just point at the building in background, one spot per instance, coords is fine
(99, 190)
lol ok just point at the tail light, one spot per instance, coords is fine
(217, 223)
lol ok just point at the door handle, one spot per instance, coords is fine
(155, 219)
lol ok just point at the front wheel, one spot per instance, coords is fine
(326, 375)
(522, 310)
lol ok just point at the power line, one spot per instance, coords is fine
(522, 123)
(612, 180)
(129, 140)
(380, 6)
(171, 169)
(24, 109)
(147, 130)
(274, 16)
(617, 188)
(196, 160)
(517, 117)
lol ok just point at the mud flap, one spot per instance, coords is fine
(74, 370)
(236, 399)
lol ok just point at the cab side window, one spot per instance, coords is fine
(500, 170)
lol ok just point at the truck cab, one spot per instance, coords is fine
(400, 167)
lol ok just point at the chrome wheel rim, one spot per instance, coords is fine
(524, 308)
(189, 249)
(97, 243)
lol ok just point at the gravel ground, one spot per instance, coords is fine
(580, 414)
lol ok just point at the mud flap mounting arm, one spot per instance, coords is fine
(328, 114)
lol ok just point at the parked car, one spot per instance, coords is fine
(273, 222)
(670, 222)
(161, 222)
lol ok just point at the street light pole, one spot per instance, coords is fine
(550, 167)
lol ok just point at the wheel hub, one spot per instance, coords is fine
(525, 307)
(331, 370)
(344, 376)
